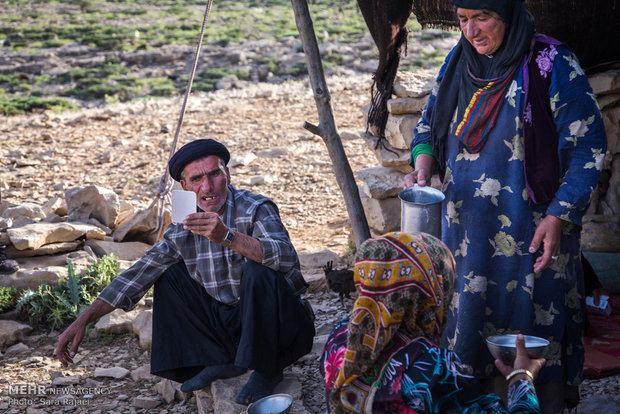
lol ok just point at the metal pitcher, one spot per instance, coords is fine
(421, 210)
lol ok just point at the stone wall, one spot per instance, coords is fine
(382, 183)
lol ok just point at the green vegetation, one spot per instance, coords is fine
(206, 79)
(21, 105)
(8, 298)
(112, 27)
(54, 307)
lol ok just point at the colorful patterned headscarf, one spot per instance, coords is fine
(405, 285)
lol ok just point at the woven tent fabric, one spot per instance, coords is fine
(588, 28)
(386, 20)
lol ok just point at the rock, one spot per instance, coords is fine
(289, 385)
(611, 119)
(146, 402)
(18, 348)
(398, 129)
(63, 381)
(383, 215)
(606, 101)
(5, 223)
(31, 279)
(274, 152)
(227, 82)
(399, 106)
(35, 235)
(92, 201)
(416, 84)
(381, 182)
(260, 180)
(612, 198)
(55, 205)
(26, 210)
(114, 372)
(241, 160)
(349, 135)
(317, 258)
(53, 218)
(141, 226)
(117, 321)
(11, 332)
(224, 393)
(387, 155)
(598, 404)
(142, 373)
(204, 401)
(319, 344)
(123, 251)
(45, 250)
(126, 212)
(604, 83)
(143, 327)
(165, 388)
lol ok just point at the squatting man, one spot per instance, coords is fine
(227, 286)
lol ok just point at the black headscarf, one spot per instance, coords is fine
(457, 86)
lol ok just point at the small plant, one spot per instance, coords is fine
(21, 105)
(54, 307)
(8, 298)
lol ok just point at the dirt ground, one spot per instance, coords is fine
(124, 149)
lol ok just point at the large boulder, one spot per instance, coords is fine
(35, 235)
(142, 226)
(92, 201)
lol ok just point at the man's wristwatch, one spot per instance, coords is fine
(230, 235)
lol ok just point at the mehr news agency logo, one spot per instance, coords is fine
(28, 394)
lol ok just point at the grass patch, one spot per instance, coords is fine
(208, 78)
(114, 26)
(21, 105)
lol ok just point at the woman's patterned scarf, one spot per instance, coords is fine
(480, 114)
(475, 84)
(405, 285)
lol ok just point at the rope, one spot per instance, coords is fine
(164, 188)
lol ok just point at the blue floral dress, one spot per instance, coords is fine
(488, 222)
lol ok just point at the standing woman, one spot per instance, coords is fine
(514, 129)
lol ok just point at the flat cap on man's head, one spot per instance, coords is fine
(194, 150)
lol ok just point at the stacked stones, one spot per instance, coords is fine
(381, 184)
(379, 193)
(602, 222)
(89, 222)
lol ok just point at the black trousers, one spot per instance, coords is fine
(267, 330)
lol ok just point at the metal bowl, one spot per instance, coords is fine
(272, 404)
(503, 347)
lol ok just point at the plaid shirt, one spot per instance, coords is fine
(214, 266)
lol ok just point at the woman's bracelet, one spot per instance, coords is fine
(520, 371)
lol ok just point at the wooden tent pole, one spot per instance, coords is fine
(327, 127)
